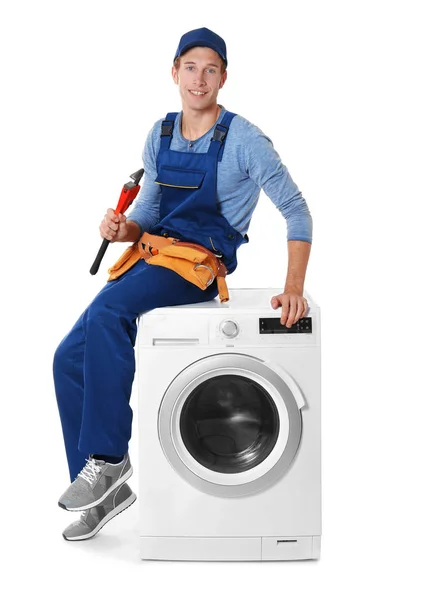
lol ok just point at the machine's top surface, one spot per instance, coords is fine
(241, 299)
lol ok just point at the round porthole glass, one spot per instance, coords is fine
(229, 423)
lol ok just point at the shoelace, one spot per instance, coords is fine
(89, 472)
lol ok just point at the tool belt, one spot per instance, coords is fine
(192, 261)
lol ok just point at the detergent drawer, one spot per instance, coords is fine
(160, 330)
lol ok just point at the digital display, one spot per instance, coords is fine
(272, 325)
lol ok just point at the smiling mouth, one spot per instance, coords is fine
(197, 93)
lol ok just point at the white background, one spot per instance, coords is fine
(338, 88)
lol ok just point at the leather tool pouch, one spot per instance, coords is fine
(125, 262)
(146, 246)
(193, 262)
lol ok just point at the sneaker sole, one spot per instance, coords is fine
(116, 511)
(117, 483)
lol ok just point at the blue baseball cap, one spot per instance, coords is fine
(202, 37)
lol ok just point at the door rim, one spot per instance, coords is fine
(276, 382)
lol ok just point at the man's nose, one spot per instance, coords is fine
(200, 78)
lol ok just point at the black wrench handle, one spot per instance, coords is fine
(100, 254)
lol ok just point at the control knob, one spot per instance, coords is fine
(229, 328)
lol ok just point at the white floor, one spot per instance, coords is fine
(372, 544)
(369, 550)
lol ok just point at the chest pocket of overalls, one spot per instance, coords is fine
(180, 178)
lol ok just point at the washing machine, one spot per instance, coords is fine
(229, 431)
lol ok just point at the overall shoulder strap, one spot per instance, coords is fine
(167, 128)
(216, 146)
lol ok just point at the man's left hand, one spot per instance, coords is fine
(294, 307)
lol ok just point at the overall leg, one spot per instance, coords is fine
(109, 361)
(68, 376)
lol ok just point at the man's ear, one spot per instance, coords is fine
(175, 75)
(223, 79)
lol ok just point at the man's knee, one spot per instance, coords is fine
(100, 312)
(104, 311)
(69, 352)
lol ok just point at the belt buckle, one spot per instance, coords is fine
(198, 266)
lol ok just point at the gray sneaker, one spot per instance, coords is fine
(96, 481)
(93, 519)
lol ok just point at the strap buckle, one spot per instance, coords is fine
(167, 127)
(220, 134)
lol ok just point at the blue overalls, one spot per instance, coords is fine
(94, 364)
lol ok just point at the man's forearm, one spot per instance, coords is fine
(133, 232)
(297, 262)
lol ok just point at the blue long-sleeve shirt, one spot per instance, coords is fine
(249, 163)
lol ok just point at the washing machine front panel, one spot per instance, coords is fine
(230, 424)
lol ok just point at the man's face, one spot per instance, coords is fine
(199, 77)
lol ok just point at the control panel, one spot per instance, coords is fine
(273, 325)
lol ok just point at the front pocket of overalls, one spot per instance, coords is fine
(180, 178)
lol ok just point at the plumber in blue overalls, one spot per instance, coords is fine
(94, 364)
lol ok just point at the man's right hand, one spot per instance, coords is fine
(114, 227)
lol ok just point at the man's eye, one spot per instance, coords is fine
(189, 68)
(211, 71)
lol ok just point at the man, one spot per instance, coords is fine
(204, 168)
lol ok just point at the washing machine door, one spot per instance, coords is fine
(231, 424)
